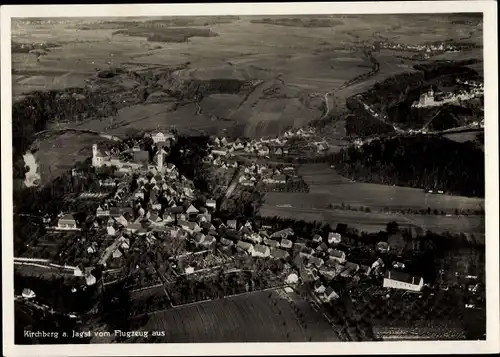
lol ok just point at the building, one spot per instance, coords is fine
(318, 262)
(67, 222)
(98, 157)
(261, 251)
(399, 280)
(253, 237)
(330, 295)
(284, 233)
(231, 223)
(159, 136)
(350, 269)
(337, 255)
(244, 246)
(319, 288)
(271, 242)
(285, 243)
(102, 212)
(334, 238)
(383, 247)
(211, 204)
(317, 238)
(277, 253)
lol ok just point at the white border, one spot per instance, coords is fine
(491, 148)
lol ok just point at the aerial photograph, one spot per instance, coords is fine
(284, 178)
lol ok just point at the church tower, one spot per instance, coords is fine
(95, 156)
(159, 160)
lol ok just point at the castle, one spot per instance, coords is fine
(427, 98)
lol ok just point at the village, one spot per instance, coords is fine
(149, 206)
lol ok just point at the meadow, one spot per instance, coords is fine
(329, 188)
(254, 317)
(297, 66)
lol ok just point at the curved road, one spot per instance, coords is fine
(85, 131)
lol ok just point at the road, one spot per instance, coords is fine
(84, 131)
(375, 69)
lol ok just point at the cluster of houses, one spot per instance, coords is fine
(264, 147)
(432, 47)
(252, 173)
(157, 203)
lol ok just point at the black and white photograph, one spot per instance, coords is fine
(267, 176)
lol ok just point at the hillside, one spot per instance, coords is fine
(393, 97)
(417, 161)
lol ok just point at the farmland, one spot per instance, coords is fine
(329, 188)
(295, 68)
(255, 317)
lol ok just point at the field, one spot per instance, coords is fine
(297, 64)
(255, 317)
(327, 187)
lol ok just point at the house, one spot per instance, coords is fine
(379, 263)
(271, 243)
(79, 270)
(124, 242)
(399, 280)
(114, 212)
(263, 151)
(284, 233)
(231, 223)
(226, 242)
(383, 247)
(279, 253)
(261, 251)
(191, 210)
(244, 246)
(319, 288)
(253, 237)
(317, 238)
(90, 279)
(337, 255)
(191, 227)
(328, 272)
(306, 252)
(133, 227)
(208, 241)
(365, 269)
(66, 222)
(102, 212)
(323, 247)
(117, 253)
(111, 231)
(350, 269)
(318, 262)
(285, 243)
(330, 294)
(211, 204)
(334, 238)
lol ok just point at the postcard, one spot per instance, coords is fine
(250, 179)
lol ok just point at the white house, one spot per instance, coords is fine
(247, 247)
(399, 280)
(159, 136)
(67, 223)
(334, 238)
(253, 237)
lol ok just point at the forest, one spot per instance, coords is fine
(427, 162)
